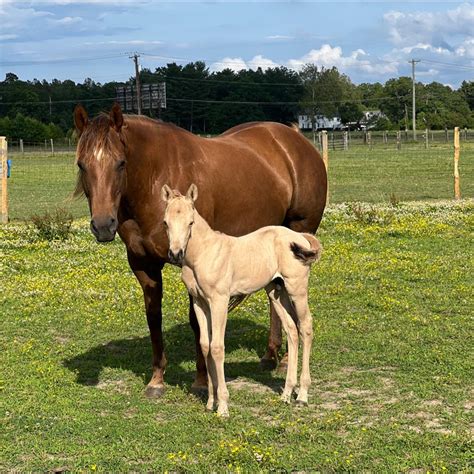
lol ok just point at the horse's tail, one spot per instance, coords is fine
(235, 301)
(307, 256)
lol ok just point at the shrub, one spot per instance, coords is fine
(56, 226)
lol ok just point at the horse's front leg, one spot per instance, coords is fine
(201, 381)
(149, 276)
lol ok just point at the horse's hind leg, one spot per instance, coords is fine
(282, 305)
(200, 382)
(299, 299)
(270, 359)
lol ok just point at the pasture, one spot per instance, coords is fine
(41, 182)
(391, 361)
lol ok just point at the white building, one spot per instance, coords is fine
(321, 122)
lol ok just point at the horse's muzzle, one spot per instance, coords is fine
(176, 258)
(104, 228)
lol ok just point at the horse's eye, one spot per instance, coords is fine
(121, 165)
(165, 223)
(191, 223)
(81, 166)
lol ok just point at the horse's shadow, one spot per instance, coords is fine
(134, 355)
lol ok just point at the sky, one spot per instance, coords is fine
(369, 41)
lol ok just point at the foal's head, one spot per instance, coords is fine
(101, 160)
(178, 220)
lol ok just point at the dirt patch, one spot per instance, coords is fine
(330, 405)
(432, 403)
(114, 386)
(244, 384)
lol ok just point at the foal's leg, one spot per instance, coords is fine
(282, 305)
(218, 306)
(298, 292)
(202, 316)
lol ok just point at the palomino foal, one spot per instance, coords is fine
(216, 266)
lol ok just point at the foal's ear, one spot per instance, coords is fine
(166, 193)
(192, 192)
(80, 118)
(116, 117)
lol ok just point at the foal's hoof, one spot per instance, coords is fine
(301, 403)
(155, 391)
(268, 364)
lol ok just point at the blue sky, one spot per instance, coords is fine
(369, 41)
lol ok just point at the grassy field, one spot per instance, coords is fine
(391, 363)
(41, 182)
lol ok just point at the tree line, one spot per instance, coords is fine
(204, 101)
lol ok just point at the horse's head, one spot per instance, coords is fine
(178, 220)
(101, 160)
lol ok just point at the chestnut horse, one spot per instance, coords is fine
(251, 176)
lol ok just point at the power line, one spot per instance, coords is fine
(460, 66)
(59, 60)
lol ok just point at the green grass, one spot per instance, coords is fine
(41, 182)
(391, 362)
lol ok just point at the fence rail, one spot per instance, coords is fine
(380, 169)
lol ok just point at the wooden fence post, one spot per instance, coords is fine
(399, 140)
(426, 138)
(22, 149)
(457, 189)
(346, 142)
(324, 138)
(52, 146)
(4, 179)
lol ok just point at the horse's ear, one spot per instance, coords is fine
(166, 193)
(192, 192)
(80, 118)
(116, 117)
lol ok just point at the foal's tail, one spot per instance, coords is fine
(307, 256)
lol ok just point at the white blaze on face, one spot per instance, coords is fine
(98, 153)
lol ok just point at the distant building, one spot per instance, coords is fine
(321, 122)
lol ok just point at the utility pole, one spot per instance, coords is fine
(137, 82)
(413, 62)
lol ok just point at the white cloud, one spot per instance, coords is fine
(466, 49)
(260, 61)
(329, 56)
(434, 28)
(124, 43)
(237, 64)
(279, 37)
(7, 37)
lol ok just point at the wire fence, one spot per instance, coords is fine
(371, 171)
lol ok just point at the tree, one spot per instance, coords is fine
(350, 112)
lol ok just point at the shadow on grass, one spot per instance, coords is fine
(134, 355)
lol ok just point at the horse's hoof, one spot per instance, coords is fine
(301, 403)
(154, 391)
(199, 391)
(282, 368)
(268, 364)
